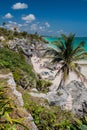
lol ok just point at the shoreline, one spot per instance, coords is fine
(55, 82)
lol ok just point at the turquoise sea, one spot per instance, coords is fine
(76, 41)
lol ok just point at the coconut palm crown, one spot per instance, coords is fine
(64, 52)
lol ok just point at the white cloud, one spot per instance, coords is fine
(42, 28)
(60, 31)
(34, 27)
(8, 16)
(47, 24)
(27, 22)
(11, 22)
(20, 25)
(29, 18)
(20, 6)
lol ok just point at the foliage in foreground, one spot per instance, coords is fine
(6, 108)
(53, 118)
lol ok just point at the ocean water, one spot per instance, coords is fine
(76, 41)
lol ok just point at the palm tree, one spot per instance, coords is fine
(4, 24)
(64, 52)
(15, 29)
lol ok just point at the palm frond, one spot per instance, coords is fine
(64, 37)
(53, 47)
(76, 70)
(67, 55)
(69, 42)
(79, 48)
(79, 57)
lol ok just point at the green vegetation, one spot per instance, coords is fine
(45, 117)
(52, 118)
(43, 85)
(67, 55)
(22, 72)
(9, 34)
(7, 122)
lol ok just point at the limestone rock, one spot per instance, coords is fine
(72, 97)
(19, 111)
(12, 83)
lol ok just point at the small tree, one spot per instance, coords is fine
(4, 24)
(67, 55)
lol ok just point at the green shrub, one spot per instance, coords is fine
(28, 103)
(46, 118)
(43, 117)
(6, 108)
(17, 64)
(43, 85)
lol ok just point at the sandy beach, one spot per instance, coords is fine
(39, 68)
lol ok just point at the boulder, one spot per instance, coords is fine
(72, 97)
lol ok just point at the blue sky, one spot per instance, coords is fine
(47, 17)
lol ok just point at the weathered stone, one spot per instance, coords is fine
(20, 111)
(12, 83)
(72, 97)
(28, 47)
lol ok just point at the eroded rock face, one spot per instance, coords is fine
(28, 48)
(19, 110)
(12, 83)
(72, 97)
(78, 92)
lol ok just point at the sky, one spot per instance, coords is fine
(47, 17)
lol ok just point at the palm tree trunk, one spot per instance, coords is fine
(61, 85)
